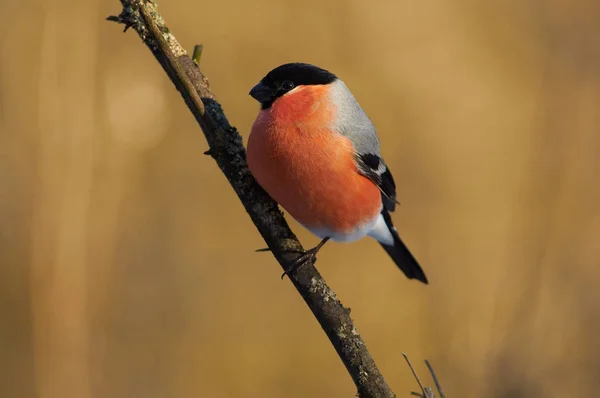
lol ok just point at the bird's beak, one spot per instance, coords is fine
(262, 93)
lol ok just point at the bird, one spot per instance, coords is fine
(315, 151)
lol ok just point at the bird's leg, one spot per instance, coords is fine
(266, 249)
(304, 258)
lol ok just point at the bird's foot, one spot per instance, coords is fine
(305, 255)
(304, 258)
(266, 249)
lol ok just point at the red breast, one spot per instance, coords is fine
(308, 168)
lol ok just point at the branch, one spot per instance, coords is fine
(228, 151)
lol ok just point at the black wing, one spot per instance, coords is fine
(374, 168)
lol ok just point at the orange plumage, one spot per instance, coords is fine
(306, 167)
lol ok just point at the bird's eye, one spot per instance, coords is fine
(288, 85)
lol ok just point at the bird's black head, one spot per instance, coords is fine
(285, 78)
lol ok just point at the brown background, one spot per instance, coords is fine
(126, 262)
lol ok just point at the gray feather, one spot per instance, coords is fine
(352, 122)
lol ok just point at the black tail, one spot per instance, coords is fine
(401, 255)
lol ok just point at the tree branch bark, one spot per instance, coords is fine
(228, 151)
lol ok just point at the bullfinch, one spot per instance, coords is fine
(314, 151)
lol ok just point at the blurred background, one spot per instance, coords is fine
(127, 263)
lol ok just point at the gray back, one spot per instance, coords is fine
(352, 121)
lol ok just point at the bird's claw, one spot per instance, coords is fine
(298, 262)
(306, 257)
(266, 249)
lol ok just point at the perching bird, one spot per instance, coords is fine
(316, 152)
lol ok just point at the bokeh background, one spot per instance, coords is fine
(127, 264)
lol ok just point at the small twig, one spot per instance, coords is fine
(118, 19)
(435, 379)
(197, 53)
(427, 391)
(414, 372)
